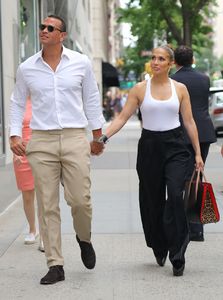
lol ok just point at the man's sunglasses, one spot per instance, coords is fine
(50, 28)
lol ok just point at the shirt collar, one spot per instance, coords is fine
(65, 52)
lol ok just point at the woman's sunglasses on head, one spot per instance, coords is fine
(50, 28)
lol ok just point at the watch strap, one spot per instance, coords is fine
(102, 139)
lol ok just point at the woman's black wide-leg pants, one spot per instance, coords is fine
(162, 167)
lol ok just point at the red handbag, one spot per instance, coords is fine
(200, 203)
(209, 210)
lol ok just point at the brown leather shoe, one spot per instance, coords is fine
(55, 274)
(87, 253)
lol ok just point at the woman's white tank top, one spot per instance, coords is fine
(160, 115)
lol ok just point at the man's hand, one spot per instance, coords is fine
(17, 145)
(96, 148)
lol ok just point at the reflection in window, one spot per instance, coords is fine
(89, 10)
(28, 26)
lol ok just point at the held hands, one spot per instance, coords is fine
(17, 145)
(199, 162)
(97, 145)
(96, 148)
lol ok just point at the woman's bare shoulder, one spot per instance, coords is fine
(181, 90)
(138, 91)
(139, 87)
(141, 84)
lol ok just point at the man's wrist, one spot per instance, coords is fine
(102, 139)
(12, 137)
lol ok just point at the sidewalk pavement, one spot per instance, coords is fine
(125, 267)
(8, 187)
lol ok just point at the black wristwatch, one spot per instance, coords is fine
(102, 139)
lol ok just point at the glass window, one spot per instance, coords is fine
(28, 28)
(89, 10)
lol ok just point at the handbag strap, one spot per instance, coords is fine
(198, 179)
(202, 172)
(197, 173)
(191, 180)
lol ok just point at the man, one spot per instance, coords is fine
(65, 99)
(198, 87)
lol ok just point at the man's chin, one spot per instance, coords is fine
(42, 39)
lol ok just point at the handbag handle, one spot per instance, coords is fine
(202, 172)
(198, 178)
(191, 180)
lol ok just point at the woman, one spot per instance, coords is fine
(25, 182)
(162, 158)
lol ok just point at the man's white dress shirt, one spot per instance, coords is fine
(66, 98)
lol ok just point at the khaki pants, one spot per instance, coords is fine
(52, 154)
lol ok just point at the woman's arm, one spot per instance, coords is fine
(129, 108)
(189, 124)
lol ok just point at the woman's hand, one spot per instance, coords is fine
(199, 162)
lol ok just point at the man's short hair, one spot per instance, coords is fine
(183, 56)
(63, 24)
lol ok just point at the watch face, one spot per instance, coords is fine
(103, 139)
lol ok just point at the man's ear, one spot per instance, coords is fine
(63, 36)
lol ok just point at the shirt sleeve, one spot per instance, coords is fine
(91, 99)
(18, 105)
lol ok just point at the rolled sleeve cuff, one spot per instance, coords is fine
(15, 132)
(96, 123)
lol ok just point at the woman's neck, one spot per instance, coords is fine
(162, 79)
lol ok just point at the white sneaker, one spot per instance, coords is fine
(31, 238)
(41, 246)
